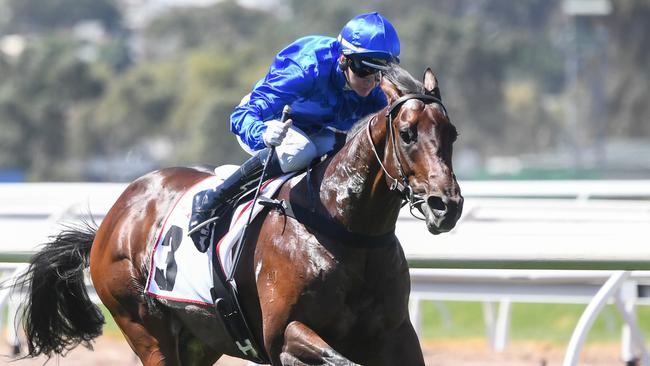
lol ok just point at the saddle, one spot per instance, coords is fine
(181, 275)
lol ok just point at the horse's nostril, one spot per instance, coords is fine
(436, 203)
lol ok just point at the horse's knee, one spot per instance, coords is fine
(302, 346)
(287, 359)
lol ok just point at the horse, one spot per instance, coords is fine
(310, 296)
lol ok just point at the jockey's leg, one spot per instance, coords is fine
(210, 202)
(298, 149)
(401, 347)
(302, 346)
(296, 152)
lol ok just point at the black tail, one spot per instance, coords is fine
(58, 314)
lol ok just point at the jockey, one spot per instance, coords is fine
(329, 83)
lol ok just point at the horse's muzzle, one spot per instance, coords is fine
(442, 212)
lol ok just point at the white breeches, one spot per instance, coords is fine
(298, 150)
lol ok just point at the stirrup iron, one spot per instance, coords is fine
(201, 225)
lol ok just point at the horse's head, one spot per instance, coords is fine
(419, 148)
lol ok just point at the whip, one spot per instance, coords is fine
(285, 116)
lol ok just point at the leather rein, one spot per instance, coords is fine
(401, 185)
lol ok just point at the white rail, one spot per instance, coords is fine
(510, 235)
(502, 227)
(575, 189)
(8, 304)
(498, 289)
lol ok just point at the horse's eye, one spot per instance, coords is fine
(408, 136)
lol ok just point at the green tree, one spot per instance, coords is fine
(500, 65)
(37, 99)
(629, 67)
(41, 16)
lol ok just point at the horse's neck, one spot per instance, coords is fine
(354, 190)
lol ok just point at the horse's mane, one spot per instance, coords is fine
(403, 81)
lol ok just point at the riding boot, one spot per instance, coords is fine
(213, 202)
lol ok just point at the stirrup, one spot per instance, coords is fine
(201, 236)
(204, 223)
(272, 203)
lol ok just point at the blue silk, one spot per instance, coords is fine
(306, 76)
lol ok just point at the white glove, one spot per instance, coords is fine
(275, 132)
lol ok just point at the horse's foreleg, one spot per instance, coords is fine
(303, 347)
(401, 347)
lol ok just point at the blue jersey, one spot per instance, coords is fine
(306, 76)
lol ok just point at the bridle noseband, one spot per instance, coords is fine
(401, 185)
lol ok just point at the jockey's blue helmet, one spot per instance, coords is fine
(370, 36)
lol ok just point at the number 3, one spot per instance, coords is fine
(165, 279)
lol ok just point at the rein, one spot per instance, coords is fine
(402, 187)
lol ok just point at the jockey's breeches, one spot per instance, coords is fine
(298, 149)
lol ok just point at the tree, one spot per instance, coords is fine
(629, 67)
(41, 16)
(37, 99)
(500, 65)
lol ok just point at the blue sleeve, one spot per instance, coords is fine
(285, 83)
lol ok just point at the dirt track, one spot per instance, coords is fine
(112, 351)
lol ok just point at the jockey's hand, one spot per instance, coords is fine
(275, 132)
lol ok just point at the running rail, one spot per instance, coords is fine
(503, 287)
(523, 225)
(489, 286)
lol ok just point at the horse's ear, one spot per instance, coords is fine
(431, 83)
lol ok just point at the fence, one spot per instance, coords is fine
(498, 289)
(515, 243)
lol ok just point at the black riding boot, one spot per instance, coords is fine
(212, 202)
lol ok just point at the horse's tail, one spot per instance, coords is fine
(58, 314)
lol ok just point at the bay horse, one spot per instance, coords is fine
(310, 297)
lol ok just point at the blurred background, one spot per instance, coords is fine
(106, 90)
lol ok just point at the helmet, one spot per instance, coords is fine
(370, 36)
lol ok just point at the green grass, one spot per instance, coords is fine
(552, 323)
(110, 328)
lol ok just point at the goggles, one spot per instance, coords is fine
(364, 66)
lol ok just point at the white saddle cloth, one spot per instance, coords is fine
(178, 271)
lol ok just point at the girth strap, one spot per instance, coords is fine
(332, 229)
(227, 307)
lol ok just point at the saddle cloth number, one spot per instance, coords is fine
(166, 277)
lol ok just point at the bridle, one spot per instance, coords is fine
(401, 185)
